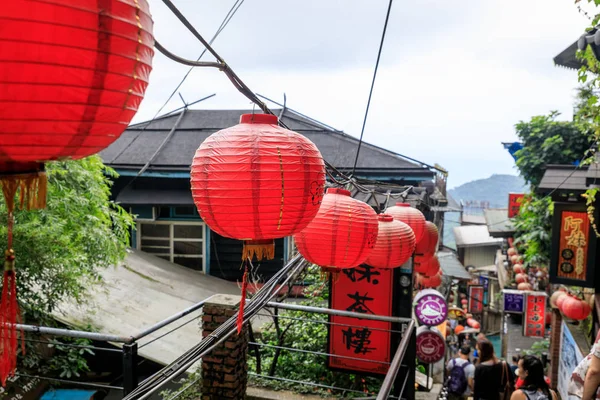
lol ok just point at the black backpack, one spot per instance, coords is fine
(458, 379)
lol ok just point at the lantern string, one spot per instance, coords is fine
(362, 131)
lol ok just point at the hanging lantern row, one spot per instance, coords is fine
(73, 77)
(571, 306)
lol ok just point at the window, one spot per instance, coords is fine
(179, 242)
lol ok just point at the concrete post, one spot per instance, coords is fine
(225, 369)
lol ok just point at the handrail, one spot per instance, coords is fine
(390, 377)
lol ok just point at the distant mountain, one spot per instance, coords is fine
(494, 190)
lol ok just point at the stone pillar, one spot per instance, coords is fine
(555, 333)
(225, 369)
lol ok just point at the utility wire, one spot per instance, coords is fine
(362, 131)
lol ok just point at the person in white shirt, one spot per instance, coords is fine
(460, 375)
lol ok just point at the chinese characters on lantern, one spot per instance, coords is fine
(362, 290)
(513, 301)
(535, 315)
(475, 299)
(573, 248)
(514, 204)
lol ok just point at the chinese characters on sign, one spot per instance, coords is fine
(572, 257)
(535, 315)
(514, 203)
(475, 299)
(363, 290)
(513, 301)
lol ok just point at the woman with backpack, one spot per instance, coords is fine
(493, 378)
(535, 387)
(460, 375)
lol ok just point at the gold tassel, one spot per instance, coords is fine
(261, 249)
(32, 189)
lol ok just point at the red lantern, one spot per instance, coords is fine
(429, 281)
(520, 278)
(395, 243)
(72, 76)
(256, 182)
(473, 323)
(511, 251)
(410, 216)
(459, 329)
(518, 269)
(516, 259)
(341, 235)
(554, 298)
(462, 295)
(428, 266)
(524, 286)
(464, 301)
(427, 246)
(560, 300)
(575, 309)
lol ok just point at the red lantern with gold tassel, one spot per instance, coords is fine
(428, 244)
(257, 182)
(72, 76)
(342, 235)
(394, 245)
(410, 216)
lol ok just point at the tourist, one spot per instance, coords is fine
(515, 364)
(461, 373)
(492, 376)
(534, 387)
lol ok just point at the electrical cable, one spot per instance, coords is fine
(362, 131)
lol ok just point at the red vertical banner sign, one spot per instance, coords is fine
(514, 204)
(476, 299)
(535, 314)
(361, 345)
(573, 246)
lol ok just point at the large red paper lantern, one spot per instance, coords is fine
(343, 233)
(428, 266)
(560, 300)
(72, 76)
(575, 309)
(410, 216)
(427, 246)
(394, 245)
(256, 182)
(429, 281)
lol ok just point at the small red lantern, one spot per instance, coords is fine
(524, 286)
(521, 278)
(560, 300)
(429, 281)
(473, 323)
(459, 329)
(428, 266)
(410, 216)
(516, 259)
(464, 301)
(518, 269)
(257, 182)
(575, 309)
(72, 76)
(394, 245)
(554, 298)
(429, 242)
(511, 251)
(462, 295)
(341, 235)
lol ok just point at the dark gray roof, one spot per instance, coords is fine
(452, 267)
(131, 196)
(563, 177)
(567, 58)
(140, 142)
(498, 223)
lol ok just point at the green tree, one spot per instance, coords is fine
(60, 250)
(548, 141)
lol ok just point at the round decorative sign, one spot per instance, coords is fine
(431, 346)
(430, 307)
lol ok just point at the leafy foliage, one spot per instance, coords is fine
(547, 141)
(61, 249)
(534, 226)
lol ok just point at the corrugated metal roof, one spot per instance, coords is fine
(498, 223)
(451, 266)
(473, 219)
(564, 177)
(473, 236)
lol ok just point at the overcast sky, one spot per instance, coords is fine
(454, 78)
